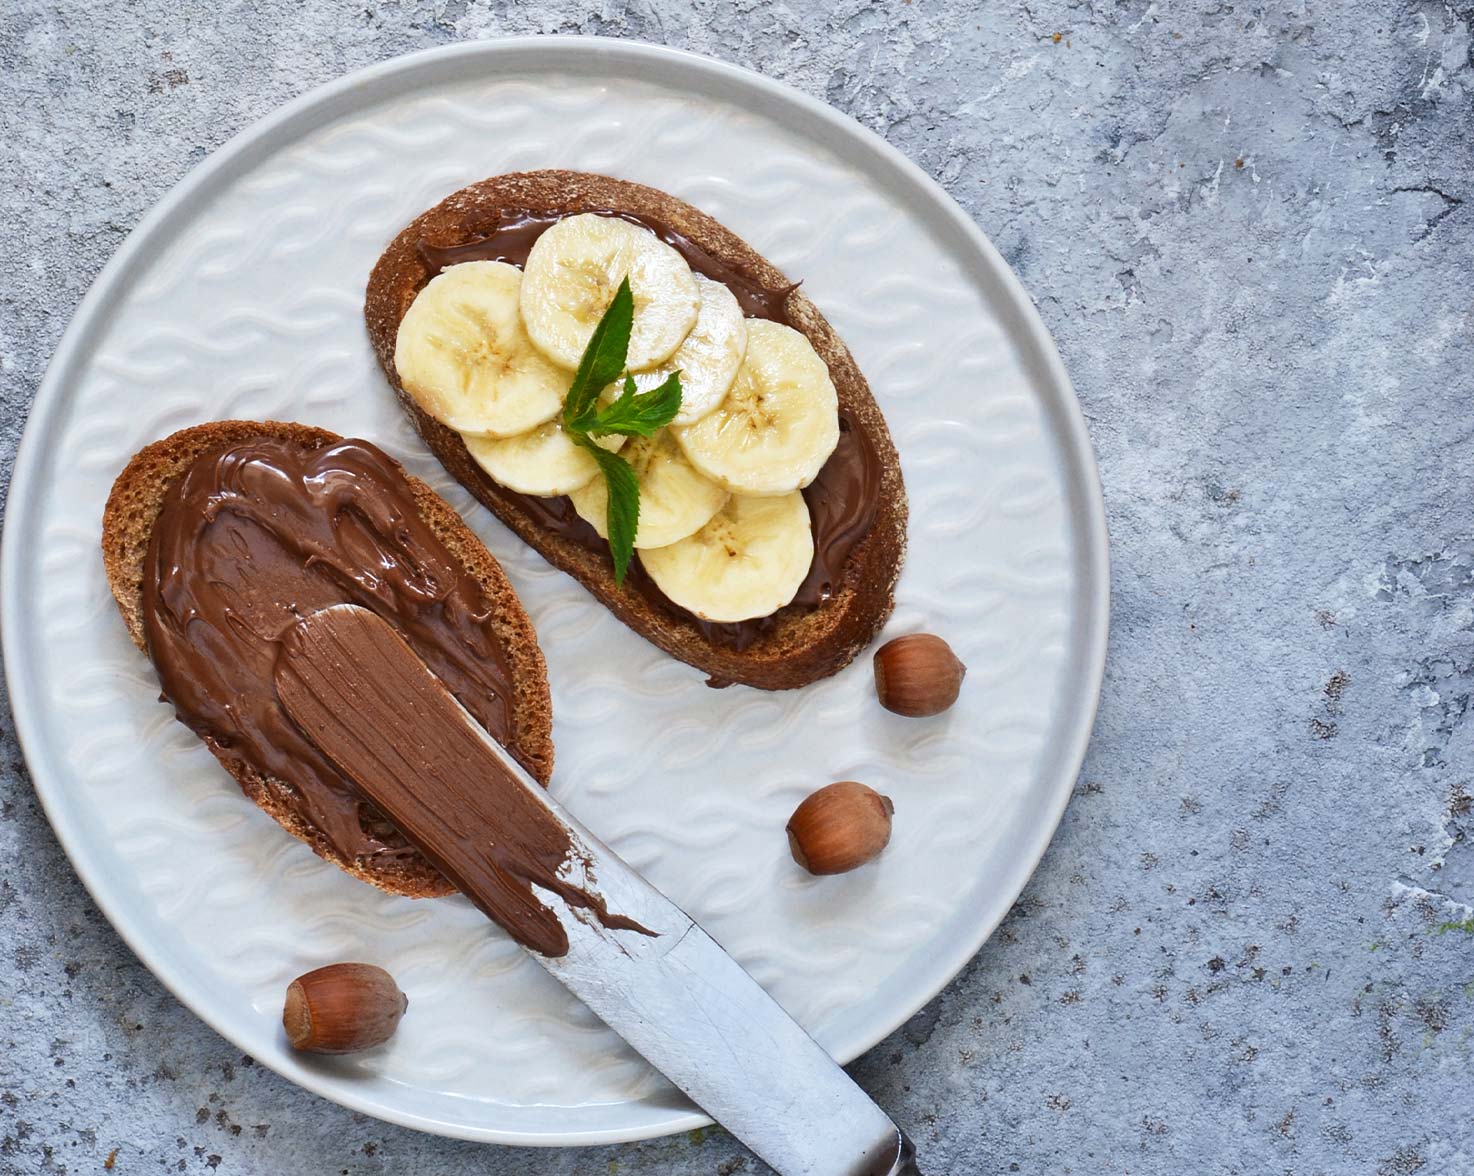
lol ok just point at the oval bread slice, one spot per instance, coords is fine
(127, 522)
(796, 646)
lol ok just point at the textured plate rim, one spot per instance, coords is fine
(1024, 327)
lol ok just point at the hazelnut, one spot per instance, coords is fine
(917, 675)
(840, 827)
(342, 1008)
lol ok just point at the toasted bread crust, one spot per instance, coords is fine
(803, 646)
(133, 507)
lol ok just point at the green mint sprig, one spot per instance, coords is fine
(632, 414)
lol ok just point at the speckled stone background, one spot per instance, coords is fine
(1251, 946)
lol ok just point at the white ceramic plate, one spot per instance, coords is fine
(240, 296)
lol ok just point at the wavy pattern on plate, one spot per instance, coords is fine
(254, 309)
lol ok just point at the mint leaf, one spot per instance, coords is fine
(640, 414)
(603, 360)
(632, 414)
(623, 519)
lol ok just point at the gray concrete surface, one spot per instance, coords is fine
(1250, 948)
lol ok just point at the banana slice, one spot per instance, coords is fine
(709, 358)
(542, 462)
(464, 356)
(777, 425)
(575, 269)
(674, 499)
(748, 561)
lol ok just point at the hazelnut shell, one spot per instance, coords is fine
(840, 827)
(342, 1008)
(917, 675)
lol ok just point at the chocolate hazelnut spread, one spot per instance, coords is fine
(363, 697)
(842, 500)
(254, 537)
(516, 233)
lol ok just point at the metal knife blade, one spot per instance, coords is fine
(675, 995)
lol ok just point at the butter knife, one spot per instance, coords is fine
(667, 987)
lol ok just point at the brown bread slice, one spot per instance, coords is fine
(127, 522)
(804, 645)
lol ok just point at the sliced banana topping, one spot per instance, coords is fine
(779, 421)
(710, 356)
(542, 462)
(674, 499)
(748, 561)
(572, 274)
(723, 531)
(464, 355)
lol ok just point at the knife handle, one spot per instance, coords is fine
(905, 1164)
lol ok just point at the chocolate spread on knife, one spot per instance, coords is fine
(842, 500)
(361, 695)
(252, 538)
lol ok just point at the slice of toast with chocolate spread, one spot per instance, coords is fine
(216, 538)
(857, 502)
